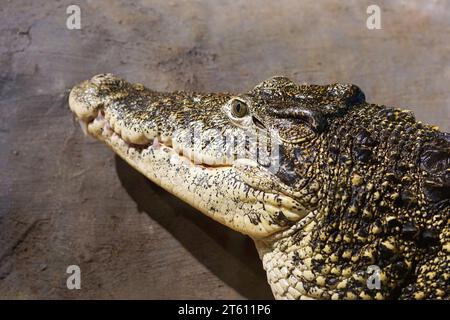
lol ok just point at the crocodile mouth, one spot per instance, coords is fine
(102, 128)
(215, 185)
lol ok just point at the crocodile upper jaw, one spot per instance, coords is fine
(217, 190)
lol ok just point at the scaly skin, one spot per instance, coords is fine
(338, 185)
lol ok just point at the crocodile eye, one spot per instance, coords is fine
(239, 109)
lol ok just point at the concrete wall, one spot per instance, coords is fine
(66, 199)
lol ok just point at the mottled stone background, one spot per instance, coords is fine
(65, 199)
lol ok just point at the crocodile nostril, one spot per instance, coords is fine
(102, 78)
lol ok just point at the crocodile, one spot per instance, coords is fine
(344, 199)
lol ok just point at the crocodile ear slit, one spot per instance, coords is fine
(258, 123)
(314, 119)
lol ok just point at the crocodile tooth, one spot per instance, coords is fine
(83, 126)
(155, 144)
(132, 136)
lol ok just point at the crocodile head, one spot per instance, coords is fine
(330, 188)
(244, 160)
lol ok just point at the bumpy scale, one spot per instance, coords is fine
(356, 185)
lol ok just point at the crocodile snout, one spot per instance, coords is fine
(85, 99)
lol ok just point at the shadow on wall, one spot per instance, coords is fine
(244, 272)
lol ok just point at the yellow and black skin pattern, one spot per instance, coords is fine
(358, 186)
